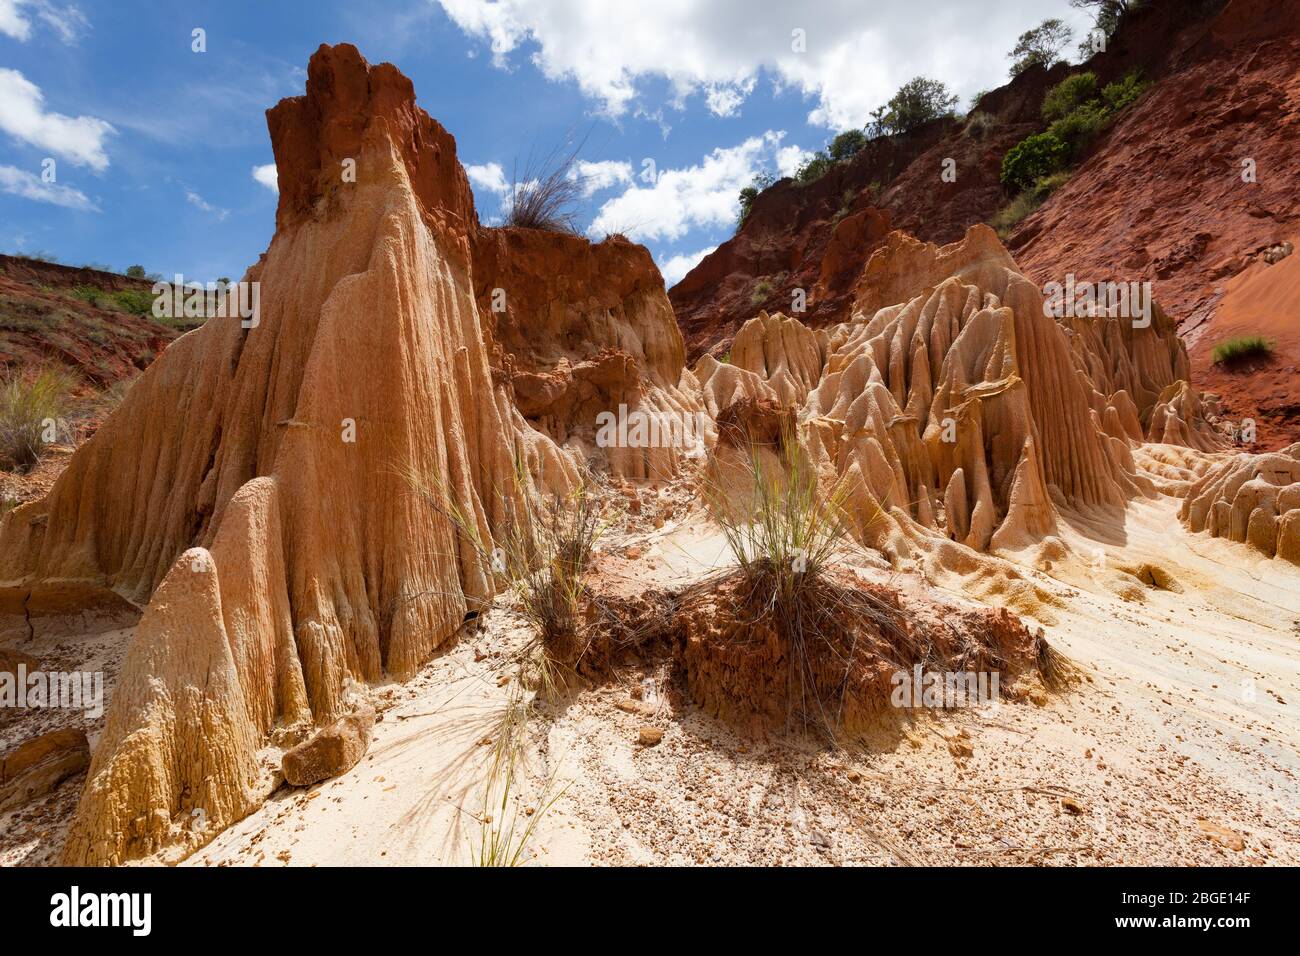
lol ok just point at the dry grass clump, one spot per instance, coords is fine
(792, 638)
(787, 534)
(544, 194)
(543, 550)
(32, 405)
(1056, 670)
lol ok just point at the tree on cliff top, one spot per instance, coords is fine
(1040, 46)
(917, 102)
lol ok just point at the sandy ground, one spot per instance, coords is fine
(1181, 748)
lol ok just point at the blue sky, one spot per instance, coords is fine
(678, 103)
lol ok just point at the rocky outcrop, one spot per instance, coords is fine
(583, 329)
(1251, 499)
(254, 490)
(251, 487)
(37, 766)
(1208, 172)
(953, 405)
(817, 236)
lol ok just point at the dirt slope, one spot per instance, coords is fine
(47, 315)
(1163, 199)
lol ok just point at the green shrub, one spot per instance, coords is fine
(28, 404)
(761, 291)
(1033, 158)
(1009, 216)
(1124, 92)
(135, 272)
(1242, 348)
(917, 102)
(136, 301)
(847, 144)
(1078, 128)
(88, 293)
(749, 193)
(814, 167)
(1071, 93)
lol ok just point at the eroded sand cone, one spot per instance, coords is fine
(1252, 499)
(952, 404)
(284, 448)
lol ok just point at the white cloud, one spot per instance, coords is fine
(267, 176)
(790, 158)
(704, 195)
(489, 177)
(66, 20)
(855, 55)
(601, 175)
(675, 269)
(194, 199)
(12, 22)
(20, 182)
(724, 99)
(23, 116)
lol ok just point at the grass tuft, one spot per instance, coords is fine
(31, 407)
(544, 194)
(1241, 349)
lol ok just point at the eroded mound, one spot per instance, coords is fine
(1250, 499)
(843, 657)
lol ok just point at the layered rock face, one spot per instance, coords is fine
(952, 404)
(585, 329)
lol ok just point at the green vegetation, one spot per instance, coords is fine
(1077, 129)
(760, 292)
(847, 144)
(1033, 158)
(1040, 46)
(917, 102)
(1124, 92)
(1232, 351)
(814, 167)
(749, 193)
(31, 407)
(135, 301)
(1010, 216)
(1077, 113)
(1071, 93)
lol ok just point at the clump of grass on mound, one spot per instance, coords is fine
(546, 192)
(31, 406)
(1242, 349)
(792, 638)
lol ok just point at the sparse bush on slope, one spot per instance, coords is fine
(31, 407)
